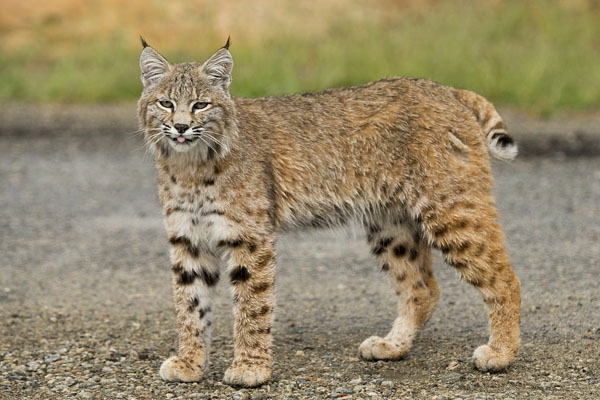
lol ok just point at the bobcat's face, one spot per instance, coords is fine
(187, 106)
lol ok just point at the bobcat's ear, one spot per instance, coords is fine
(218, 68)
(153, 65)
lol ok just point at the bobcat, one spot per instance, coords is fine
(406, 158)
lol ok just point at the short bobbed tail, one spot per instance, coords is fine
(500, 144)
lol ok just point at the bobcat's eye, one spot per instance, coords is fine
(168, 104)
(200, 105)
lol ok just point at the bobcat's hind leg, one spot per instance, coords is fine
(407, 260)
(473, 243)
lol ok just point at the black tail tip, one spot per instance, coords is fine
(226, 47)
(503, 139)
(144, 43)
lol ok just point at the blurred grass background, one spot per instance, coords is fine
(538, 55)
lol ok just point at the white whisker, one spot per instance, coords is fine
(215, 139)
(208, 144)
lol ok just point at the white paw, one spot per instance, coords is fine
(175, 369)
(377, 348)
(488, 359)
(247, 375)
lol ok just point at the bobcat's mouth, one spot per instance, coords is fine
(182, 139)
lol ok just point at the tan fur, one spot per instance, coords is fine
(406, 158)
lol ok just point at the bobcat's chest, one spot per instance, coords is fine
(198, 214)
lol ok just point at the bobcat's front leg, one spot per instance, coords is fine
(195, 274)
(251, 272)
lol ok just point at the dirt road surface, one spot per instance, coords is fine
(85, 282)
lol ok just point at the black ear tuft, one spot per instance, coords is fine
(144, 43)
(226, 47)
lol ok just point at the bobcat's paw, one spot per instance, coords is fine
(247, 375)
(377, 348)
(488, 359)
(176, 369)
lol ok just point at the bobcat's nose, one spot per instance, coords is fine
(181, 127)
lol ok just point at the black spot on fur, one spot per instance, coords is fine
(261, 287)
(171, 210)
(203, 311)
(382, 245)
(173, 179)
(413, 254)
(399, 250)
(458, 264)
(210, 278)
(251, 247)
(442, 230)
(209, 182)
(401, 276)
(385, 267)
(462, 247)
(186, 277)
(263, 310)
(230, 243)
(462, 224)
(212, 212)
(177, 268)
(445, 249)
(193, 304)
(239, 274)
(182, 240)
(193, 250)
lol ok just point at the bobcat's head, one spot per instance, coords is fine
(187, 107)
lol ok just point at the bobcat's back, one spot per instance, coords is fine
(396, 104)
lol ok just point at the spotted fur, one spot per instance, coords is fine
(406, 158)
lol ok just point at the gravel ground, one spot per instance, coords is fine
(85, 284)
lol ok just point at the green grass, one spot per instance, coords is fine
(535, 55)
